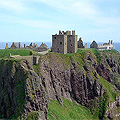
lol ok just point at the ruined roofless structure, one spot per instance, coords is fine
(106, 46)
(64, 42)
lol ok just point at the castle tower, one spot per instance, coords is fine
(64, 42)
(6, 47)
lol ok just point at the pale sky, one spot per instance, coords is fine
(37, 20)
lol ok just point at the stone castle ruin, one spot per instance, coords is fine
(106, 46)
(80, 43)
(32, 46)
(64, 42)
(94, 45)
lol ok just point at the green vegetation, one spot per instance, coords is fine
(16, 82)
(33, 116)
(5, 53)
(98, 106)
(103, 106)
(109, 89)
(68, 111)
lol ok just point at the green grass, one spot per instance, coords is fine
(109, 88)
(5, 53)
(69, 111)
(33, 116)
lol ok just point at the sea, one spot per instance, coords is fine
(49, 44)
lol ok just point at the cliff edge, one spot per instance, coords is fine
(90, 78)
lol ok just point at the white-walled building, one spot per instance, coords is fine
(106, 46)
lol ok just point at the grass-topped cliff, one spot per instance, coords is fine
(4, 53)
(61, 86)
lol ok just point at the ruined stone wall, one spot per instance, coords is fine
(28, 58)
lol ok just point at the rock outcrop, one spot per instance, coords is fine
(21, 90)
(86, 77)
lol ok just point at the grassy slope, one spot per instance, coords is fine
(69, 111)
(5, 53)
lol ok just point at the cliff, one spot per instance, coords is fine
(89, 77)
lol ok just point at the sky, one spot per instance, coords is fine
(38, 20)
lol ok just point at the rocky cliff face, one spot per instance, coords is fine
(69, 80)
(81, 77)
(21, 90)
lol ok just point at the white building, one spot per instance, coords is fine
(106, 46)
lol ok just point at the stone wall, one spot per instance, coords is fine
(59, 43)
(72, 43)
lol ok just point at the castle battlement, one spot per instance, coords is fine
(66, 32)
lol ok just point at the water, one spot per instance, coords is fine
(49, 44)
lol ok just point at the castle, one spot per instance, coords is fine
(64, 42)
(32, 46)
(106, 46)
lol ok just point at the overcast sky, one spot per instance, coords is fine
(37, 20)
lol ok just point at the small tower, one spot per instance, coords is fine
(6, 47)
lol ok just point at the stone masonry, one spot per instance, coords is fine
(64, 42)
